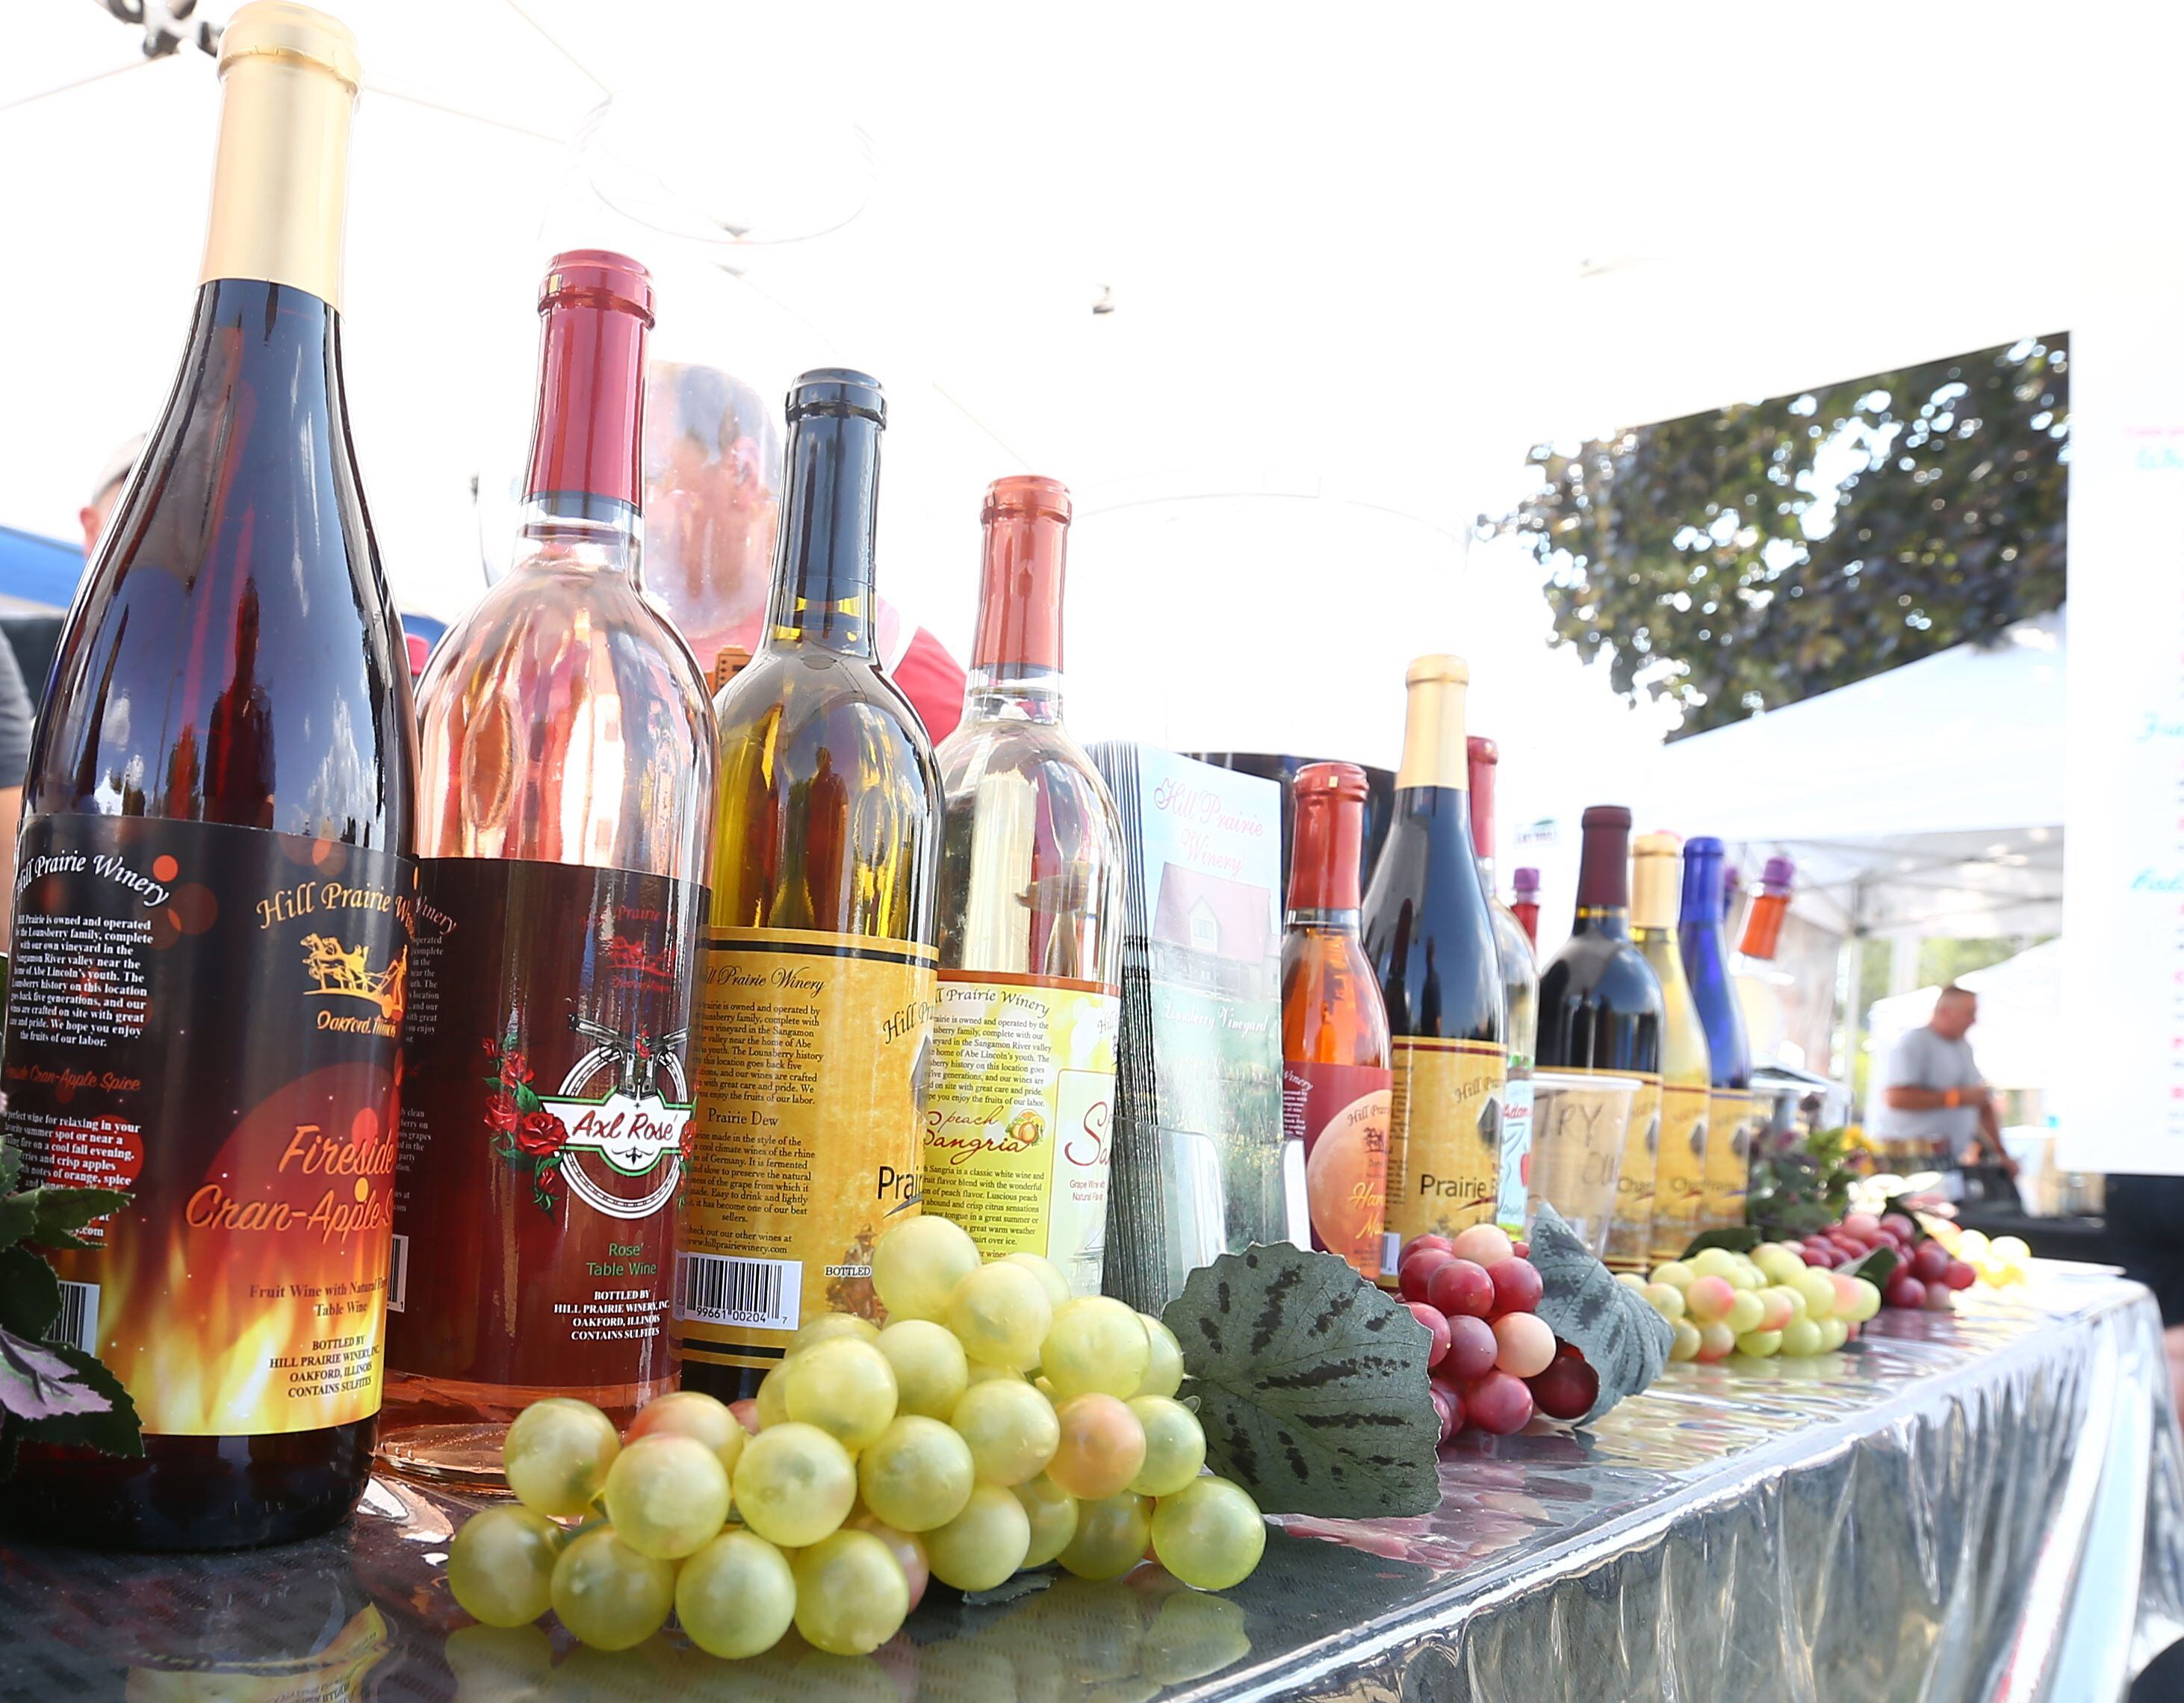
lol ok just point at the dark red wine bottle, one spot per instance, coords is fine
(1430, 938)
(216, 884)
(1601, 1011)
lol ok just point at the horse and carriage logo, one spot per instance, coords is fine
(345, 972)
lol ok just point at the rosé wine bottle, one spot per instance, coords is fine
(564, 811)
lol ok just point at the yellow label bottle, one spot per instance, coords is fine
(816, 993)
(1679, 1159)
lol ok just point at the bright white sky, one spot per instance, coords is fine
(1365, 256)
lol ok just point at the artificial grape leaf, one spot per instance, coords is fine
(19, 1215)
(1878, 1266)
(30, 1294)
(11, 1167)
(63, 1212)
(1311, 1385)
(1621, 1337)
(1738, 1238)
(84, 1403)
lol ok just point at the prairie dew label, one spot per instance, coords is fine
(546, 1106)
(1444, 1136)
(1728, 1156)
(812, 1049)
(1678, 1169)
(209, 1017)
(1630, 1232)
(1339, 1114)
(1513, 1205)
(1016, 1113)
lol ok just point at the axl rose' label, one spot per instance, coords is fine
(1339, 1114)
(1016, 1114)
(1728, 1155)
(1444, 1138)
(209, 1017)
(546, 1104)
(1680, 1169)
(812, 1051)
(1630, 1232)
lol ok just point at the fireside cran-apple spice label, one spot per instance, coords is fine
(544, 1117)
(209, 1016)
(812, 1053)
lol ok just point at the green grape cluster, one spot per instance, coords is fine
(995, 1423)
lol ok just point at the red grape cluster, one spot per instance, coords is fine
(1495, 1361)
(1925, 1277)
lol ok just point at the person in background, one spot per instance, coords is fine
(1935, 1094)
(95, 513)
(712, 478)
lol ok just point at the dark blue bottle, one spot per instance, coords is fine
(1706, 966)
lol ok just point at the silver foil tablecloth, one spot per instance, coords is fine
(1988, 1504)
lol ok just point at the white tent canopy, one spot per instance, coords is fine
(1925, 801)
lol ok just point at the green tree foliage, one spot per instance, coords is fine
(1743, 559)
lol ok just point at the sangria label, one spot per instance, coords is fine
(1728, 1156)
(546, 1108)
(1445, 1126)
(1630, 1232)
(1339, 1114)
(1016, 1114)
(209, 1017)
(1680, 1169)
(811, 1058)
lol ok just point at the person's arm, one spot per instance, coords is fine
(1908, 1099)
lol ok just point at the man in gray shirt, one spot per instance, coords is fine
(1935, 1094)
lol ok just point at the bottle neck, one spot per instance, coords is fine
(280, 184)
(1700, 919)
(1653, 892)
(585, 487)
(1324, 854)
(1434, 752)
(823, 566)
(1603, 874)
(1016, 654)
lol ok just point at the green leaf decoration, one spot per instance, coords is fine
(30, 1294)
(1878, 1266)
(1311, 1385)
(1621, 1337)
(11, 1167)
(1738, 1238)
(527, 1097)
(18, 1215)
(63, 1212)
(60, 1394)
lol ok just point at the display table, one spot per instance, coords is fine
(1984, 1504)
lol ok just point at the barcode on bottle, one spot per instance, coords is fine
(78, 1323)
(1391, 1246)
(767, 1294)
(397, 1274)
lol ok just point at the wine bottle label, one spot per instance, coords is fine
(545, 1110)
(1513, 1202)
(1631, 1233)
(812, 1054)
(1728, 1156)
(1017, 1108)
(1443, 1134)
(1339, 1113)
(209, 1017)
(1680, 1169)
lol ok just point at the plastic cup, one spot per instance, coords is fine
(1578, 1122)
